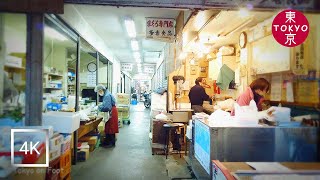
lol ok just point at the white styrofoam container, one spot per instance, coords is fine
(55, 142)
(50, 128)
(63, 122)
(13, 61)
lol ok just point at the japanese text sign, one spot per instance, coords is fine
(126, 67)
(160, 28)
(149, 69)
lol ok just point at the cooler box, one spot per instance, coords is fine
(63, 122)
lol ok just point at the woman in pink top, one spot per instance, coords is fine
(257, 89)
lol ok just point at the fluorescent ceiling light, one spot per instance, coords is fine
(200, 20)
(54, 34)
(131, 28)
(134, 45)
(136, 55)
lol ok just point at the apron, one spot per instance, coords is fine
(111, 126)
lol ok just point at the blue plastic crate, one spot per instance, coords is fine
(54, 106)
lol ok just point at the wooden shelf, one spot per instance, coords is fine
(303, 104)
(86, 128)
(53, 88)
(13, 67)
(51, 74)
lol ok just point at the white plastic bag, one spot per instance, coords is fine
(161, 116)
(279, 114)
(247, 113)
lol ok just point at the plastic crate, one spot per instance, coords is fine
(53, 172)
(54, 106)
(65, 164)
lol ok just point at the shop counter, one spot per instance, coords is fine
(88, 127)
(288, 143)
(241, 170)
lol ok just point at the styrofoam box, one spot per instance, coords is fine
(13, 61)
(66, 144)
(55, 142)
(54, 154)
(50, 128)
(63, 122)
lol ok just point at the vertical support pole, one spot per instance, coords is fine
(75, 134)
(34, 63)
(97, 75)
(2, 61)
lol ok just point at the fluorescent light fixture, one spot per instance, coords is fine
(134, 45)
(131, 28)
(136, 55)
(138, 60)
(200, 20)
(54, 34)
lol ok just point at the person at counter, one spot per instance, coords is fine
(111, 123)
(197, 95)
(256, 91)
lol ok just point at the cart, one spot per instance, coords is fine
(123, 106)
(124, 113)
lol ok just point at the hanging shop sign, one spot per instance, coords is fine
(91, 79)
(149, 69)
(32, 6)
(160, 28)
(126, 66)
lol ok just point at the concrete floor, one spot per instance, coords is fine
(132, 157)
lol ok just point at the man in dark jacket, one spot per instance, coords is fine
(197, 95)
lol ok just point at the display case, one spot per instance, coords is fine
(287, 143)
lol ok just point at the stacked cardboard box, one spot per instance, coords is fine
(92, 141)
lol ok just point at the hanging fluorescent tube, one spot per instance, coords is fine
(134, 45)
(131, 28)
(136, 55)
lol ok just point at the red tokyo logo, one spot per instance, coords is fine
(290, 28)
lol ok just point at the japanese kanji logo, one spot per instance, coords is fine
(290, 28)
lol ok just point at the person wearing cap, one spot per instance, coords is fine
(108, 106)
(197, 95)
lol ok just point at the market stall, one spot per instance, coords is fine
(229, 57)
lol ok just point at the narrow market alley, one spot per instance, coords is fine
(131, 158)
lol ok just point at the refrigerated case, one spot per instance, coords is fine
(287, 143)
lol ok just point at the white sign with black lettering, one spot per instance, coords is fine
(126, 67)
